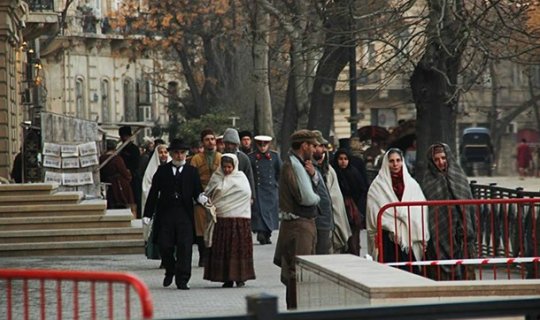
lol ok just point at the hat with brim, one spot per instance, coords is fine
(320, 137)
(263, 138)
(304, 135)
(177, 144)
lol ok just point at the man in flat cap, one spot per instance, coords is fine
(266, 166)
(340, 230)
(298, 202)
(175, 187)
(325, 219)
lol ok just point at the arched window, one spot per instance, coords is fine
(105, 101)
(80, 99)
(130, 107)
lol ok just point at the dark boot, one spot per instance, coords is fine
(202, 250)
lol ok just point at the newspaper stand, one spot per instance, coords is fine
(41, 294)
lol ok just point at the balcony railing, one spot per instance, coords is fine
(40, 5)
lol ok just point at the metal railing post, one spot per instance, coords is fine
(262, 306)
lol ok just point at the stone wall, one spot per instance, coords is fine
(11, 13)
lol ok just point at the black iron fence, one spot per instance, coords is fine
(492, 191)
(264, 307)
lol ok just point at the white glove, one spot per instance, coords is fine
(202, 198)
(146, 220)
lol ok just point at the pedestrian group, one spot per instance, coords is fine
(217, 196)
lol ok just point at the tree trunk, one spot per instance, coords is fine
(198, 102)
(434, 79)
(321, 114)
(263, 102)
(436, 112)
(290, 116)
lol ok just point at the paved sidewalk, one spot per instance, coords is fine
(204, 299)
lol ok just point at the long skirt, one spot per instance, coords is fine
(231, 256)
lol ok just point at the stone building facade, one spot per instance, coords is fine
(78, 66)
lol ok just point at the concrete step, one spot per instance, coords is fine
(63, 235)
(112, 219)
(88, 208)
(67, 197)
(14, 189)
(72, 248)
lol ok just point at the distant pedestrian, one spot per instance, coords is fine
(115, 172)
(298, 202)
(175, 187)
(266, 166)
(404, 229)
(131, 156)
(159, 157)
(341, 230)
(325, 218)
(452, 229)
(231, 139)
(524, 158)
(206, 164)
(354, 189)
(230, 258)
(246, 142)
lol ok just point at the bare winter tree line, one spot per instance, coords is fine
(278, 62)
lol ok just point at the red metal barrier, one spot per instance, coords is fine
(37, 298)
(471, 229)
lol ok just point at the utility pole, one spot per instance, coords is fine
(352, 72)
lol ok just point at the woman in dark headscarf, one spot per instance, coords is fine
(354, 190)
(452, 235)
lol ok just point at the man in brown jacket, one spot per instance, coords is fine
(298, 202)
(206, 163)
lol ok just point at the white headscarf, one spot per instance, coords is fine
(230, 194)
(381, 193)
(151, 169)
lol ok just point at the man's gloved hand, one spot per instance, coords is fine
(146, 220)
(203, 199)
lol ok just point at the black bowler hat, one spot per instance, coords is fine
(177, 144)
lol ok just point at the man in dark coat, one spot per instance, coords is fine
(174, 188)
(245, 142)
(266, 166)
(131, 156)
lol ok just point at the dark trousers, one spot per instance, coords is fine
(324, 242)
(177, 233)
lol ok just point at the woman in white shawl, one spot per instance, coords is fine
(230, 259)
(159, 157)
(402, 227)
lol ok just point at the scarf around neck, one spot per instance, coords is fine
(308, 197)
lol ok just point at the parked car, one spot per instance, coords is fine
(476, 151)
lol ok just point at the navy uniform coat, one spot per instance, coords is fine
(266, 169)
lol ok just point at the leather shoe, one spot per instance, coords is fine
(182, 286)
(168, 280)
(228, 284)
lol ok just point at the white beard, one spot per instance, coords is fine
(178, 163)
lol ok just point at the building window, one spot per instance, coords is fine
(105, 102)
(130, 108)
(172, 92)
(517, 76)
(80, 99)
(383, 117)
(144, 91)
